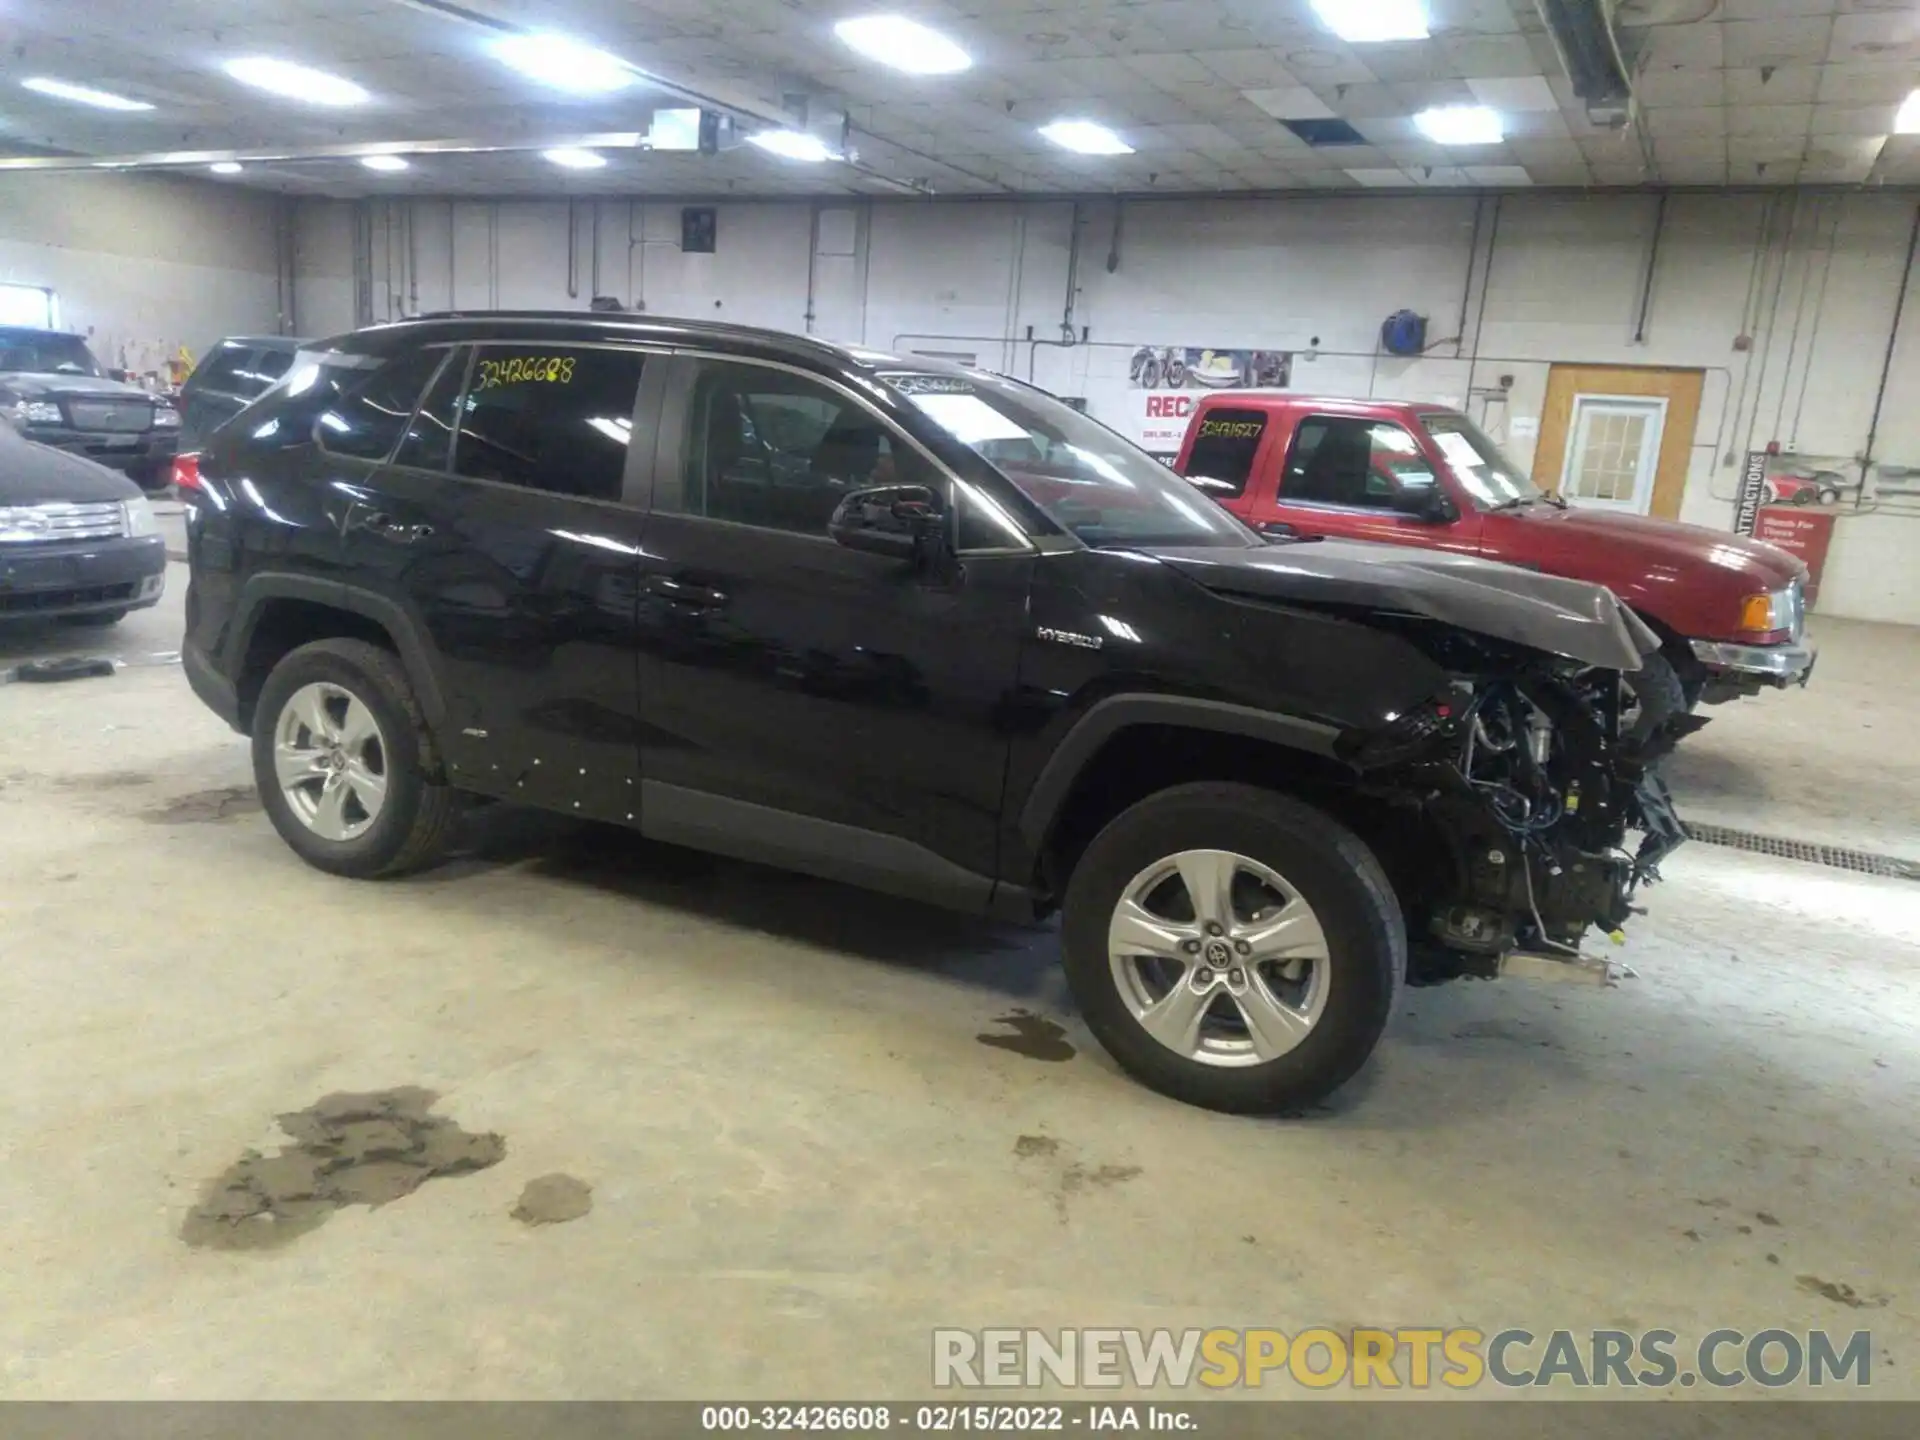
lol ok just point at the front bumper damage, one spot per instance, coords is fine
(1748, 669)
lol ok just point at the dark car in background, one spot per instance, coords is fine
(233, 374)
(77, 541)
(53, 390)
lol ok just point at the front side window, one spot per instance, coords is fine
(549, 417)
(1083, 476)
(1221, 460)
(769, 448)
(1354, 461)
(366, 419)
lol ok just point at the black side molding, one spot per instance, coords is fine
(1119, 712)
(824, 848)
(415, 653)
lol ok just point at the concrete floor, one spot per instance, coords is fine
(803, 1158)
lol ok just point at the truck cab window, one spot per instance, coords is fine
(1340, 460)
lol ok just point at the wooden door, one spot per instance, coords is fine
(1590, 388)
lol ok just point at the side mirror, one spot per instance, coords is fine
(897, 520)
(1428, 503)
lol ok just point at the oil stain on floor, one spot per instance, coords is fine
(368, 1149)
(202, 806)
(1034, 1036)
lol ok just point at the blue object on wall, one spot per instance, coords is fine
(1404, 333)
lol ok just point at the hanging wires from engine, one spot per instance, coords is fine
(1525, 816)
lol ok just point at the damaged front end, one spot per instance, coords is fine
(1548, 818)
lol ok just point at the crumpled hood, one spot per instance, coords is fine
(32, 386)
(1570, 618)
(31, 473)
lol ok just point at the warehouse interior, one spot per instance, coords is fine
(819, 1124)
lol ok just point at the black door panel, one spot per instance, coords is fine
(527, 595)
(783, 671)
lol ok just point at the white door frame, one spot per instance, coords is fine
(1646, 476)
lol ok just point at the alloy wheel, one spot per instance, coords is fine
(331, 761)
(1219, 958)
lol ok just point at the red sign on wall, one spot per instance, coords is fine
(1799, 531)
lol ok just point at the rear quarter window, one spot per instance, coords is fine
(1220, 461)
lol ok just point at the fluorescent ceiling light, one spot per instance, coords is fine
(1365, 22)
(226, 167)
(793, 145)
(1461, 125)
(296, 82)
(570, 159)
(1907, 122)
(387, 163)
(84, 95)
(904, 44)
(1085, 138)
(563, 64)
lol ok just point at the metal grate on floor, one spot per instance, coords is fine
(1861, 862)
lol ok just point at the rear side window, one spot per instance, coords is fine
(365, 422)
(1221, 460)
(224, 371)
(428, 443)
(549, 417)
(268, 366)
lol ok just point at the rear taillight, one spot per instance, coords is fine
(186, 471)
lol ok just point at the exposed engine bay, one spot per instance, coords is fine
(1539, 796)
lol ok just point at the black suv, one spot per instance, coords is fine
(925, 630)
(53, 390)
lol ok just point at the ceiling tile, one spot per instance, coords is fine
(1770, 120)
(1291, 102)
(1776, 42)
(1514, 94)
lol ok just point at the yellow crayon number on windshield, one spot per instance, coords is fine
(522, 369)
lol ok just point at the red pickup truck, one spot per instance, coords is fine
(1731, 610)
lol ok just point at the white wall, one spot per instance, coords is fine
(143, 265)
(1509, 287)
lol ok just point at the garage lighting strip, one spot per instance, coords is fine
(1835, 857)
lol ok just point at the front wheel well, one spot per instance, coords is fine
(1142, 760)
(283, 625)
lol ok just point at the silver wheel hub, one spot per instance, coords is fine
(1219, 958)
(331, 761)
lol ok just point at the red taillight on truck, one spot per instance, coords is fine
(186, 471)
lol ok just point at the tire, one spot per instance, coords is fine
(1656, 686)
(1323, 864)
(96, 619)
(408, 827)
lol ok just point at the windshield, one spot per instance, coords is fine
(1477, 463)
(1086, 478)
(34, 352)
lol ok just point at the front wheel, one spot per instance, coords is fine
(1654, 696)
(343, 758)
(1233, 948)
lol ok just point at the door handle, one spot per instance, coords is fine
(386, 527)
(1275, 527)
(683, 592)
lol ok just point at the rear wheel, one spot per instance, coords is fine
(1233, 948)
(343, 756)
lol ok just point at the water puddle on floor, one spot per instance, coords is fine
(204, 806)
(369, 1149)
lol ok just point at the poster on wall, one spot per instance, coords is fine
(1790, 480)
(1164, 383)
